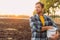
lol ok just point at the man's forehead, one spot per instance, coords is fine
(38, 5)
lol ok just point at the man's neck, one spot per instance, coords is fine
(40, 14)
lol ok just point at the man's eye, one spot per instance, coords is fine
(38, 7)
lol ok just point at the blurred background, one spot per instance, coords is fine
(15, 14)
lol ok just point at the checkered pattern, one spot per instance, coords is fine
(35, 24)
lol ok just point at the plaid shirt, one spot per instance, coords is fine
(35, 24)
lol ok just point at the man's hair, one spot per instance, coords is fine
(42, 5)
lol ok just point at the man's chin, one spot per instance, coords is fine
(38, 12)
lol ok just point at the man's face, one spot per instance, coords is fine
(38, 8)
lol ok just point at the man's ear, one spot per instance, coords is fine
(42, 9)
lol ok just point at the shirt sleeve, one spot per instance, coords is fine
(33, 25)
(53, 23)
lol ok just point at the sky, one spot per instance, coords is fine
(17, 7)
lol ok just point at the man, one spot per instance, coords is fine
(40, 23)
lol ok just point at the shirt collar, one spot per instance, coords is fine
(37, 16)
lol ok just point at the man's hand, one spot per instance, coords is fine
(46, 28)
(55, 36)
(49, 27)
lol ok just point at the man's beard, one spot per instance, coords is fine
(39, 12)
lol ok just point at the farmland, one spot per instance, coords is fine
(15, 29)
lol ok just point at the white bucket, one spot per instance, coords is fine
(51, 32)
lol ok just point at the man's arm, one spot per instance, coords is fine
(32, 25)
(46, 28)
(54, 25)
(49, 27)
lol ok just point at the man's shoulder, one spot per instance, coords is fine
(47, 16)
(32, 17)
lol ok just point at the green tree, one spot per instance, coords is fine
(50, 3)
